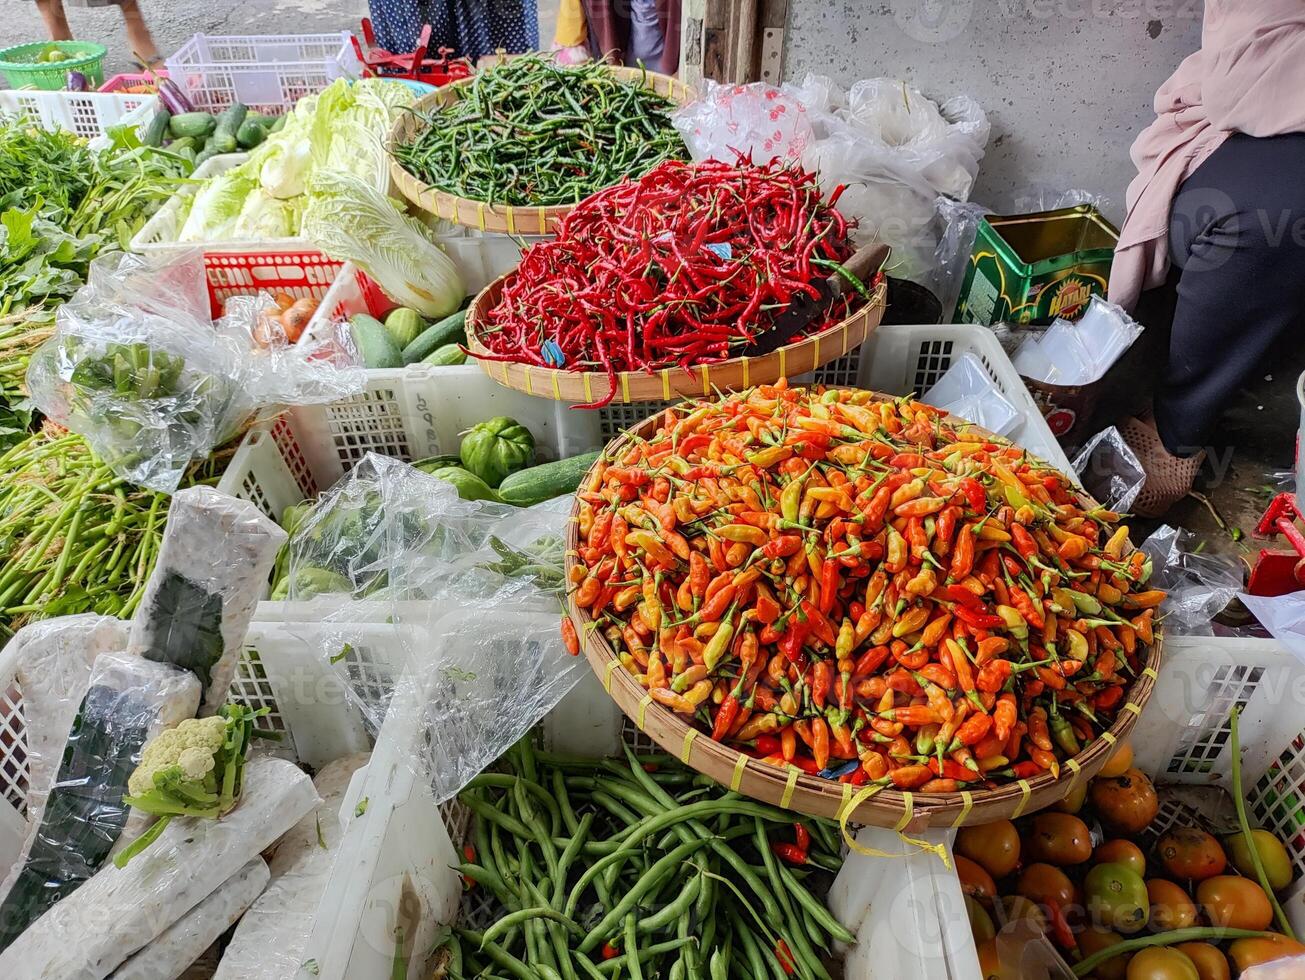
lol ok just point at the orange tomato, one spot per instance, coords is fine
(1209, 961)
(1120, 761)
(1120, 851)
(1045, 882)
(1126, 804)
(1058, 838)
(1171, 908)
(995, 847)
(975, 881)
(1234, 902)
(1187, 853)
(989, 966)
(1246, 953)
(1161, 963)
(1093, 939)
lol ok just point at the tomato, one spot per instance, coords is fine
(1246, 953)
(974, 880)
(1073, 802)
(1190, 854)
(1018, 907)
(995, 847)
(980, 921)
(1161, 963)
(1093, 939)
(1233, 902)
(1120, 761)
(1210, 963)
(1120, 851)
(1116, 897)
(1277, 865)
(1042, 882)
(1171, 908)
(1126, 804)
(1058, 838)
(989, 965)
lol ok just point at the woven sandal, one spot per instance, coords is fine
(1169, 478)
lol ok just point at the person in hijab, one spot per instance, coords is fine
(472, 28)
(1216, 217)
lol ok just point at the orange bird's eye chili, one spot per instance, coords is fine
(859, 588)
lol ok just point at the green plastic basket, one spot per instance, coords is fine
(21, 68)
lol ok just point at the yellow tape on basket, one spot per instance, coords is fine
(625, 387)
(480, 215)
(849, 807)
(543, 221)
(607, 674)
(643, 709)
(509, 215)
(689, 736)
(530, 387)
(1026, 791)
(1150, 672)
(745, 371)
(815, 352)
(1073, 766)
(666, 384)
(844, 351)
(783, 362)
(967, 804)
(589, 387)
(706, 381)
(736, 778)
(790, 785)
(557, 391)
(1134, 707)
(1109, 738)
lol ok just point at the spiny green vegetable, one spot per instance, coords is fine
(193, 770)
(497, 448)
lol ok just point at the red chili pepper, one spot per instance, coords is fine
(802, 836)
(789, 853)
(975, 495)
(828, 585)
(725, 717)
(978, 618)
(569, 636)
(610, 952)
(1024, 542)
(785, 957)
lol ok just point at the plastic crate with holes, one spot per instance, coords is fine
(88, 114)
(267, 73)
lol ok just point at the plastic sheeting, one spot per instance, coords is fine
(1109, 470)
(136, 367)
(1200, 585)
(482, 658)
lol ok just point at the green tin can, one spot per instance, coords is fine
(1033, 268)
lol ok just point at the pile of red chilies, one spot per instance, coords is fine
(685, 266)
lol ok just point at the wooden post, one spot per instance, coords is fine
(732, 40)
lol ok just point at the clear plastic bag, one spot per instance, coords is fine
(137, 368)
(1199, 584)
(957, 224)
(1109, 470)
(966, 390)
(755, 120)
(213, 564)
(467, 595)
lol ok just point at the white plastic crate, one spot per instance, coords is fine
(267, 73)
(88, 114)
(395, 872)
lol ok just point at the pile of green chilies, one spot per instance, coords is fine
(533, 132)
(75, 537)
(637, 867)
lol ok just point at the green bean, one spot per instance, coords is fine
(804, 956)
(505, 820)
(608, 967)
(671, 913)
(573, 848)
(632, 946)
(822, 915)
(650, 877)
(499, 955)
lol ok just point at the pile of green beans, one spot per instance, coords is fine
(636, 867)
(75, 537)
(533, 132)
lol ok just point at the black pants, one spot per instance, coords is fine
(1237, 247)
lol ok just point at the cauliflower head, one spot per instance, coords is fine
(190, 747)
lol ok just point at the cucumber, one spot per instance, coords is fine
(525, 488)
(278, 125)
(432, 463)
(228, 124)
(186, 143)
(445, 331)
(450, 355)
(250, 134)
(210, 150)
(198, 124)
(378, 350)
(404, 325)
(157, 129)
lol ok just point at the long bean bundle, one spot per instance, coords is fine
(75, 537)
(637, 867)
(533, 132)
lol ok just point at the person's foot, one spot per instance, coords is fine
(1169, 478)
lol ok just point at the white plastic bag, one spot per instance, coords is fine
(967, 391)
(137, 368)
(468, 595)
(1199, 584)
(1109, 470)
(756, 120)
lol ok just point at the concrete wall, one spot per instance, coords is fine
(1067, 84)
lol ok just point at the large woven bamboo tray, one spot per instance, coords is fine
(514, 220)
(793, 789)
(668, 383)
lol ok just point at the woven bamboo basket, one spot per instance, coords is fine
(497, 217)
(667, 383)
(793, 789)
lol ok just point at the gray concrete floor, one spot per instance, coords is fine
(173, 21)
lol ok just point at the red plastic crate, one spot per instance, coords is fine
(302, 274)
(133, 80)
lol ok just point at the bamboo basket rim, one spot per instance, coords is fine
(791, 788)
(666, 384)
(514, 219)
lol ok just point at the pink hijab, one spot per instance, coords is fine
(1248, 77)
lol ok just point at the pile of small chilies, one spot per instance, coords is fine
(685, 266)
(863, 589)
